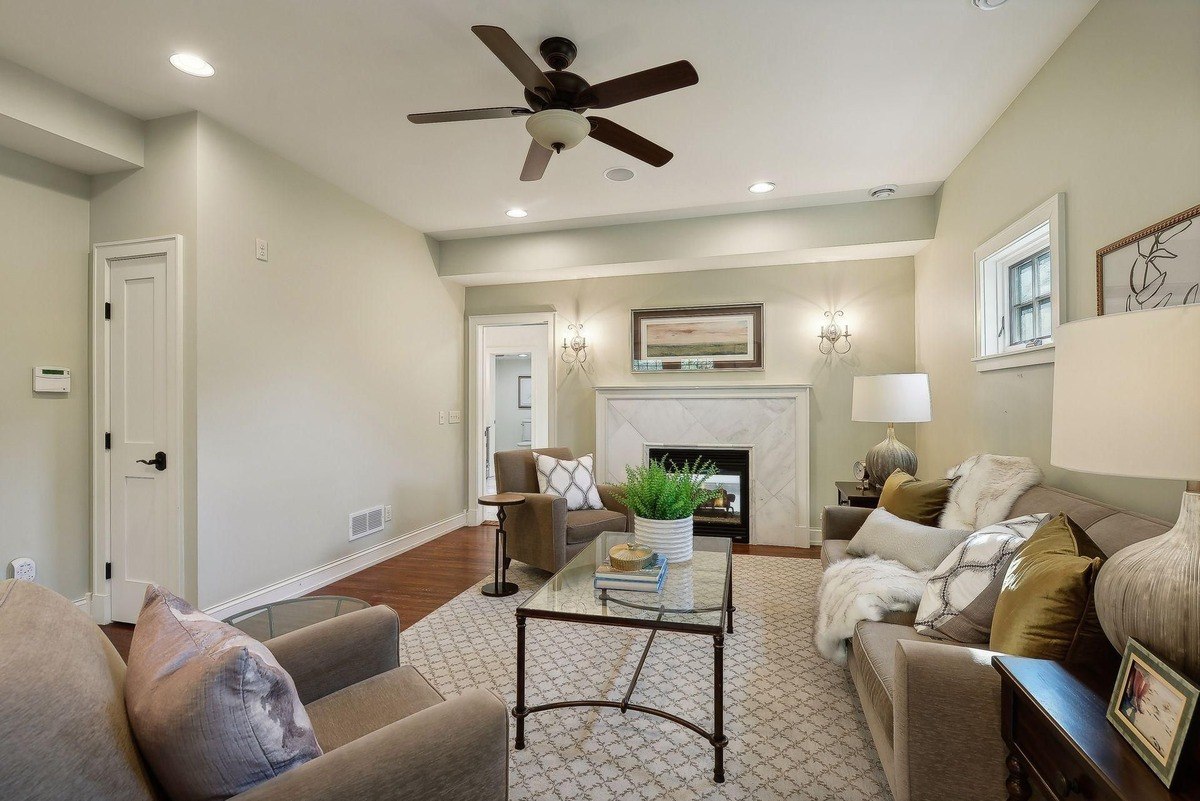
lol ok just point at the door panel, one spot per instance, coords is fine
(142, 523)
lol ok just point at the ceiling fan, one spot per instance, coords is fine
(558, 98)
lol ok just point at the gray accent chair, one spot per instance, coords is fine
(387, 734)
(541, 532)
(933, 707)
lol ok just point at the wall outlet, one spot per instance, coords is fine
(24, 569)
(260, 249)
(441, 418)
(387, 514)
(455, 416)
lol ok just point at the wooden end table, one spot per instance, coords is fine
(501, 587)
(850, 493)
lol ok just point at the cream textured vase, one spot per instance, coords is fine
(889, 456)
(1150, 591)
(671, 538)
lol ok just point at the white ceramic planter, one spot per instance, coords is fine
(671, 538)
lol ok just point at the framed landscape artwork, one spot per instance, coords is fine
(698, 338)
(1152, 269)
(1152, 708)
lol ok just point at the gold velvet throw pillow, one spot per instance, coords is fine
(919, 501)
(1046, 608)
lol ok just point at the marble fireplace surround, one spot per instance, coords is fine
(771, 421)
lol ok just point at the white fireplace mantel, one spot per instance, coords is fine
(771, 420)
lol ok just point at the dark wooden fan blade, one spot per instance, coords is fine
(517, 60)
(627, 141)
(535, 162)
(500, 112)
(635, 86)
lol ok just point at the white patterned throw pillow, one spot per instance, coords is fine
(573, 479)
(961, 595)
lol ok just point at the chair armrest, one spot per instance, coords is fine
(328, 656)
(537, 530)
(608, 497)
(453, 751)
(947, 723)
(842, 522)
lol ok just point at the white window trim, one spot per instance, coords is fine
(1052, 211)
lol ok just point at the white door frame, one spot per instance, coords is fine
(171, 249)
(475, 328)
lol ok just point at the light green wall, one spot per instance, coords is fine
(44, 443)
(877, 297)
(1112, 120)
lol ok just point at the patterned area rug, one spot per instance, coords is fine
(795, 727)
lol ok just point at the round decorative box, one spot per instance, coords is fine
(671, 538)
(629, 556)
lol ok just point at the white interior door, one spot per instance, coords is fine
(143, 520)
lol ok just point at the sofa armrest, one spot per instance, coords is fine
(946, 709)
(336, 653)
(453, 751)
(608, 497)
(842, 522)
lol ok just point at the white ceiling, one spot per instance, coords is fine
(821, 96)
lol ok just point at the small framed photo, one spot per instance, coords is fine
(1152, 707)
(524, 392)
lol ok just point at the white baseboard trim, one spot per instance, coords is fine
(814, 536)
(85, 603)
(328, 573)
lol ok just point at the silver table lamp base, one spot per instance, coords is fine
(889, 456)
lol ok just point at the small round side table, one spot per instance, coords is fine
(500, 588)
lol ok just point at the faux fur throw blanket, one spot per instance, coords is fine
(987, 487)
(861, 589)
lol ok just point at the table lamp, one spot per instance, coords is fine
(891, 399)
(1127, 403)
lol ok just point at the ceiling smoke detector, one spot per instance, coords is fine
(618, 174)
(885, 191)
(989, 5)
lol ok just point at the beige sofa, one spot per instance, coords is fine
(933, 707)
(387, 734)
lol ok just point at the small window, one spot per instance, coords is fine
(1017, 277)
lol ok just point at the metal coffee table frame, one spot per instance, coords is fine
(716, 737)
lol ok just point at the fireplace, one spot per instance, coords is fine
(727, 515)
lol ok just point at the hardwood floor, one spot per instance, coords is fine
(419, 581)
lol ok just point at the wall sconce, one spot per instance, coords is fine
(833, 333)
(574, 349)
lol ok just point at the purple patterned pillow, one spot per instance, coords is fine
(213, 712)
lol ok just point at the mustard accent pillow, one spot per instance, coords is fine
(1046, 609)
(919, 501)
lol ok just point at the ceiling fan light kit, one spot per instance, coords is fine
(557, 100)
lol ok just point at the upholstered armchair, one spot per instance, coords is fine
(541, 532)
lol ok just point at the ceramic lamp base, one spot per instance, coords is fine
(889, 456)
(1150, 591)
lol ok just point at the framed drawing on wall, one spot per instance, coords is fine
(524, 392)
(1157, 267)
(697, 338)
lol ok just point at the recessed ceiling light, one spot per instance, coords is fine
(762, 186)
(618, 173)
(989, 5)
(887, 190)
(192, 65)
(517, 213)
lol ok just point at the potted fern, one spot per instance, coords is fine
(663, 500)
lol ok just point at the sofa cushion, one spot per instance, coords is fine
(916, 546)
(873, 667)
(585, 525)
(343, 716)
(833, 551)
(212, 710)
(919, 501)
(63, 704)
(573, 479)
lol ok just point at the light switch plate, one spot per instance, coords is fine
(455, 416)
(260, 249)
(441, 418)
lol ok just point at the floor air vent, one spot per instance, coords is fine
(368, 521)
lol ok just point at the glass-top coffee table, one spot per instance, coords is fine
(697, 598)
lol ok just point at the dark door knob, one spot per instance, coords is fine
(159, 461)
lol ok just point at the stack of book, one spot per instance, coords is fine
(648, 579)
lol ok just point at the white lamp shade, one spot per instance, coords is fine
(1127, 394)
(894, 398)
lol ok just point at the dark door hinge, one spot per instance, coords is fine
(108, 570)
(107, 441)
(107, 311)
